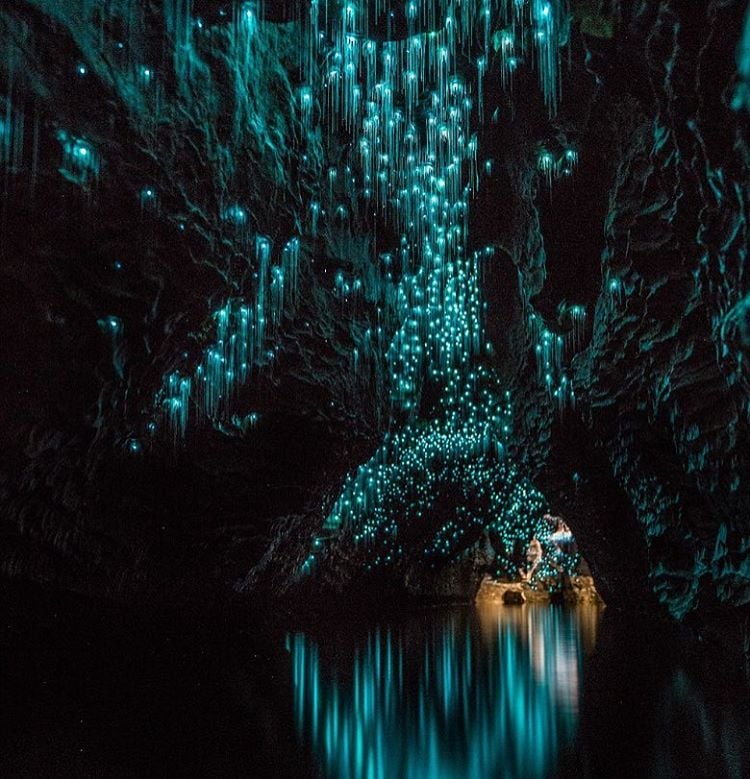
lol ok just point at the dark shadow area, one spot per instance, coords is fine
(91, 690)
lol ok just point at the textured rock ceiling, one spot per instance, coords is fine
(139, 168)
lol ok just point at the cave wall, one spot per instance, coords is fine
(649, 464)
(662, 384)
(112, 275)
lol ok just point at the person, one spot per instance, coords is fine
(533, 557)
(562, 537)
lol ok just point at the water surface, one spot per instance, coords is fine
(89, 690)
(485, 691)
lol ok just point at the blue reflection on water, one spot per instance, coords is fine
(486, 691)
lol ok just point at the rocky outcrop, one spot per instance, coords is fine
(579, 590)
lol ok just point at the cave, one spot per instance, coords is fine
(375, 388)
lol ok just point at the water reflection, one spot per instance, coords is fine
(489, 691)
(462, 694)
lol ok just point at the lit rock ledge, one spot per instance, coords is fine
(579, 590)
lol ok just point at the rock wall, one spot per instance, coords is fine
(662, 385)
